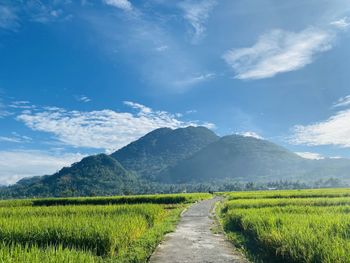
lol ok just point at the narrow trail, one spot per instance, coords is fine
(193, 241)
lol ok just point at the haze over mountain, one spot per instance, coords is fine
(243, 158)
(191, 155)
(236, 157)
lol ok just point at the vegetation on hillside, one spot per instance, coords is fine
(240, 158)
(163, 148)
(92, 176)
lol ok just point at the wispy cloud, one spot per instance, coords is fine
(83, 98)
(8, 18)
(194, 80)
(21, 105)
(342, 23)
(162, 48)
(279, 51)
(310, 155)
(15, 138)
(32, 163)
(191, 111)
(44, 13)
(143, 35)
(121, 4)
(3, 111)
(15, 13)
(342, 102)
(104, 129)
(142, 109)
(197, 14)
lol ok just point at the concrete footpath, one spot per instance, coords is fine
(193, 240)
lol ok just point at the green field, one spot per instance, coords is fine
(101, 229)
(290, 226)
(269, 226)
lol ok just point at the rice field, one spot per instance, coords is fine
(105, 229)
(290, 226)
(108, 200)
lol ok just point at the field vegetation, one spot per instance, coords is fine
(290, 226)
(106, 229)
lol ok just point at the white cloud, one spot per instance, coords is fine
(342, 23)
(22, 104)
(336, 157)
(342, 102)
(13, 14)
(15, 138)
(15, 165)
(250, 134)
(49, 108)
(279, 51)
(143, 110)
(3, 112)
(44, 13)
(83, 99)
(104, 129)
(194, 80)
(197, 14)
(310, 155)
(9, 139)
(8, 18)
(121, 4)
(47, 16)
(191, 111)
(162, 48)
(333, 131)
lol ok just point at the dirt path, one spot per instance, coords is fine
(193, 241)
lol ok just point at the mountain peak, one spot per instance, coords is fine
(163, 147)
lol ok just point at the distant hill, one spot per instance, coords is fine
(236, 157)
(249, 159)
(161, 148)
(93, 175)
(328, 168)
(186, 158)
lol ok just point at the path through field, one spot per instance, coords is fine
(193, 241)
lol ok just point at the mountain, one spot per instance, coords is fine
(167, 160)
(247, 159)
(161, 148)
(236, 157)
(93, 175)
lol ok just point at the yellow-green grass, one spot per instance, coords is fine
(108, 200)
(19, 254)
(86, 230)
(290, 229)
(104, 230)
(280, 202)
(306, 193)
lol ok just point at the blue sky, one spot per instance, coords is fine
(89, 76)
